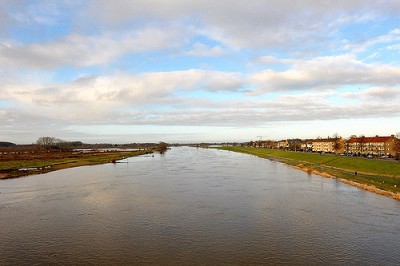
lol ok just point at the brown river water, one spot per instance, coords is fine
(194, 207)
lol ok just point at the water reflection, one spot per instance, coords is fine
(194, 206)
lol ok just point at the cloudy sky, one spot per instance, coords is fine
(126, 71)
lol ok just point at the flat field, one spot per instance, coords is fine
(22, 163)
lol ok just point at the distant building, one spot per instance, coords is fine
(283, 144)
(329, 145)
(372, 145)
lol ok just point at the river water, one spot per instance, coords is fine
(194, 206)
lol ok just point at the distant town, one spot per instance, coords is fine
(371, 146)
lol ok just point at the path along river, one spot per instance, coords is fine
(194, 206)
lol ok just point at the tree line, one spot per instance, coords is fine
(57, 144)
(7, 144)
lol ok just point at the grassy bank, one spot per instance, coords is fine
(379, 176)
(46, 162)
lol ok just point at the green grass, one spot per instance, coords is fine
(379, 173)
(361, 165)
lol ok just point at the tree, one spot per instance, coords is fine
(162, 147)
(338, 142)
(49, 142)
(6, 144)
(397, 142)
(294, 144)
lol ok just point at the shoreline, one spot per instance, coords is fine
(366, 187)
(39, 166)
(343, 175)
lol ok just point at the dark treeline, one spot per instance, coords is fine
(56, 144)
(6, 144)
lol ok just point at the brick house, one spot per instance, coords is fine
(283, 144)
(372, 145)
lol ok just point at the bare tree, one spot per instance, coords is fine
(162, 147)
(397, 142)
(48, 142)
(338, 144)
(294, 144)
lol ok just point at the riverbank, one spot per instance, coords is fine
(23, 164)
(378, 176)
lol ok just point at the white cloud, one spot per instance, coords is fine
(381, 95)
(123, 98)
(35, 14)
(260, 24)
(394, 47)
(390, 39)
(395, 31)
(40, 13)
(272, 60)
(98, 103)
(82, 51)
(329, 72)
(122, 88)
(200, 49)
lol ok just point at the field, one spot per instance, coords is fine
(380, 174)
(22, 163)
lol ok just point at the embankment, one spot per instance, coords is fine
(378, 176)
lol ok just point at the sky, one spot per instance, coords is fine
(185, 71)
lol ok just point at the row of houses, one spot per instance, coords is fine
(377, 146)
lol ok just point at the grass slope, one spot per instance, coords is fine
(381, 174)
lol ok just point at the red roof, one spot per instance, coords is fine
(369, 139)
(326, 140)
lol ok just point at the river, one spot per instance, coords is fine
(194, 206)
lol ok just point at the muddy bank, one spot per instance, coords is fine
(366, 187)
(373, 189)
(311, 170)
